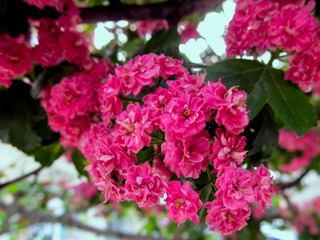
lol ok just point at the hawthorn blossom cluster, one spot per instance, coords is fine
(142, 123)
(263, 25)
(171, 122)
(304, 148)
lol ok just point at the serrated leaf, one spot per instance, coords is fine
(264, 84)
(47, 154)
(80, 163)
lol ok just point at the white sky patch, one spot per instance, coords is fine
(102, 36)
(193, 48)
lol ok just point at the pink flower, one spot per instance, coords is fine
(169, 66)
(214, 94)
(110, 103)
(187, 83)
(15, 60)
(133, 128)
(235, 188)
(248, 31)
(184, 115)
(294, 28)
(137, 73)
(263, 186)
(304, 67)
(182, 202)
(151, 27)
(189, 31)
(143, 186)
(156, 102)
(225, 220)
(189, 156)
(228, 150)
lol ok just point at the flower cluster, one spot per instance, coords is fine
(305, 148)
(170, 123)
(263, 25)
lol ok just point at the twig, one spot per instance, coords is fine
(35, 217)
(34, 172)
(284, 186)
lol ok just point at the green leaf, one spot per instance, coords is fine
(47, 154)
(266, 137)
(166, 42)
(18, 114)
(80, 163)
(52, 75)
(144, 155)
(264, 84)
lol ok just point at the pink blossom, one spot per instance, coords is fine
(170, 66)
(214, 94)
(225, 220)
(228, 150)
(234, 188)
(133, 128)
(263, 186)
(187, 83)
(156, 102)
(137, 73)
(15, 60)
(248, 31)
(189, 31)
(143, 186)
(189, 156)
(182, 202)
(304, 67)
(294, 28)
(151, 27)
(184, 115)
(110, 102)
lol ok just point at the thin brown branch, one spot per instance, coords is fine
(172, 11)
(33, 217)
(286, 185)
(34, 172)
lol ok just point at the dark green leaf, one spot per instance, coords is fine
(289, 102)
(205, 196)
(166, 42)
(18, 114)
(265, 84)
(47, 154)
(266, 139)
(145, 154)
(80, 163)
(52, 75)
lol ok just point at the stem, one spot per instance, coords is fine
(34, 172)
(286, 185)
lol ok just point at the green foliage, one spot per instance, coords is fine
(144, 155)
(264, 84)
(80, 163)
(19, 116)
(47, 154)
(166, 42)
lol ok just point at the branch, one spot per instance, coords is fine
(35, 217)
(284, 186)
(34, 172)
(172, 11)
